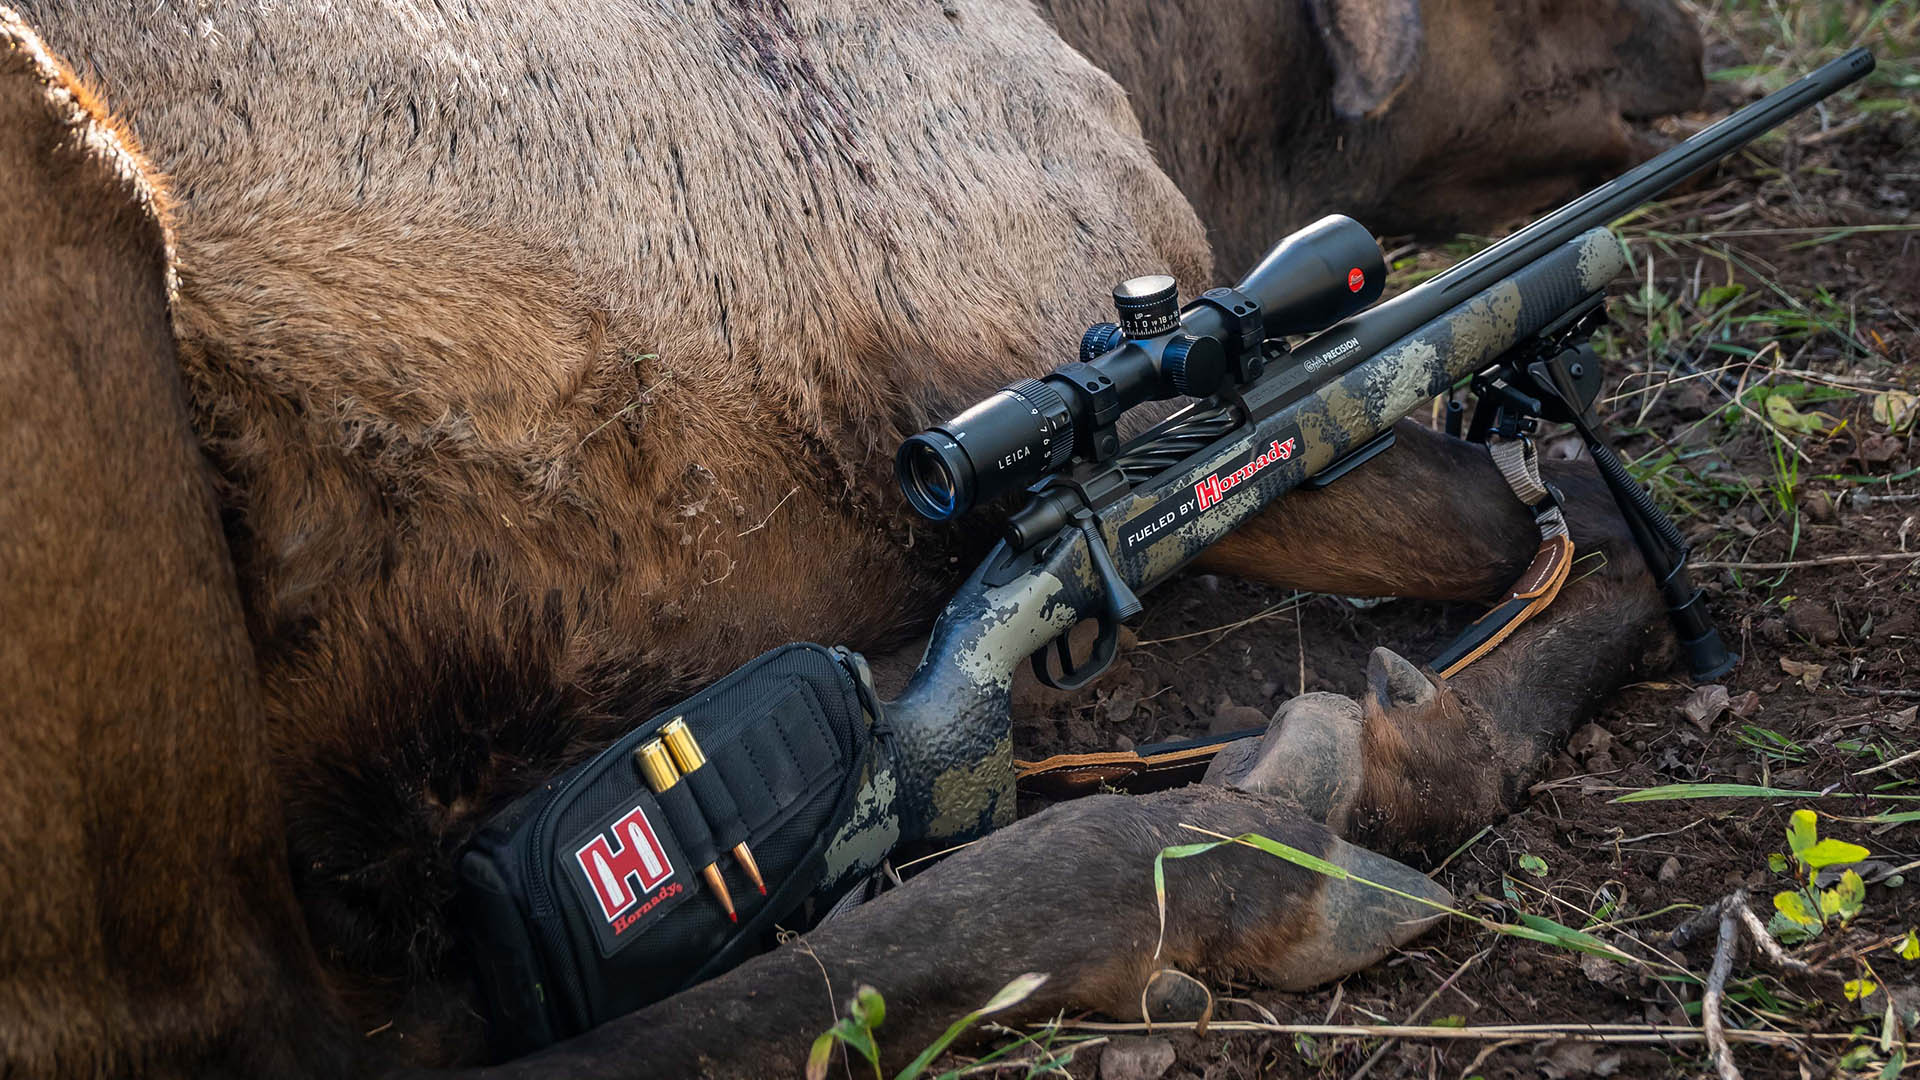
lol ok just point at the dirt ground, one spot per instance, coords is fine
(1776, 308)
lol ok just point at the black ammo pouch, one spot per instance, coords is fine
(584, 900)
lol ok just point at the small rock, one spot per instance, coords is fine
(1589, 740)
(1819, 507)
(1122, 743)
(1669, 870)
(1771, 631)
(1815, 622)
(1233, 718)
(1130, 1057)
(1600, 763)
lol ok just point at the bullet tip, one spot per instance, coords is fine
(733, 916)
(763, 890)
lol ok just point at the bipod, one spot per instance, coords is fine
(1559, 379)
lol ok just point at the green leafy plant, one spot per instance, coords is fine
(1803, 912)
(869, 1010)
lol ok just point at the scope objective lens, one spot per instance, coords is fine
(1019, 434)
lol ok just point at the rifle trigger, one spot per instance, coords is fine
(1120, 602)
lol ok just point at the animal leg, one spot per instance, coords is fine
(1418, 761)
(149, 927)
(1069, 893)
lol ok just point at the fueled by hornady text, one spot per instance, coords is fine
(1177, 510)
(1215, 487)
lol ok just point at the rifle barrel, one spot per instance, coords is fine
(1389, 321)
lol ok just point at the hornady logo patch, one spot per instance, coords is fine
(1215, 487)
(1176, 510)
(624, 872)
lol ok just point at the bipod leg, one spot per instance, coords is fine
(1660, 542)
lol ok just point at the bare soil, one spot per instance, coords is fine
(1215, 653)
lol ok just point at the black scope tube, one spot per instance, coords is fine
(1400, 316)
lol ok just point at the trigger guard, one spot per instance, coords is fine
(1074, 676)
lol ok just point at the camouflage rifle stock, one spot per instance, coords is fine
(1313, 412)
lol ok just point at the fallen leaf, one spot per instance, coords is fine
(1706, 704)
(1910, 946)
(1905, 717)
(1781, 411)
(1895, 409)
(1809, 674)
(1601, 970)
(1878, 449)
(1568, 1060)
(1746, 705)
(1855, 989)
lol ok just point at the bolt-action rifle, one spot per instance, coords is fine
(1107, 520)
(829, 783)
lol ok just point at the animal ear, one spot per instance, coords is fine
(1394, 683)
(1374, 46)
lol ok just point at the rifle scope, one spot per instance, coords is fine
(1157, 350)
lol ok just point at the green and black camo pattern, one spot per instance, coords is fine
(952, 761)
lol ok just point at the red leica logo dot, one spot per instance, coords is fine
(1355, 279)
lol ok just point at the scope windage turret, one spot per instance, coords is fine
(1156, 350)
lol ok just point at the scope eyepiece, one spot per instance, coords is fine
(1013, 438)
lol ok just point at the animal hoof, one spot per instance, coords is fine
(1310, 754)
(1173, 996)
(1356, 924)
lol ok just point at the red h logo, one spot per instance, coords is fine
(639, 857)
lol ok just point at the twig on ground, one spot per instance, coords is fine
(1595, 1033)
(1860, 497)
(1296, 598)
(1883, 766)
(1879, 691)
(1711, 1025)
(1795, 564)
(1485, 1053)
(1339, 991)
(1769, 948)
